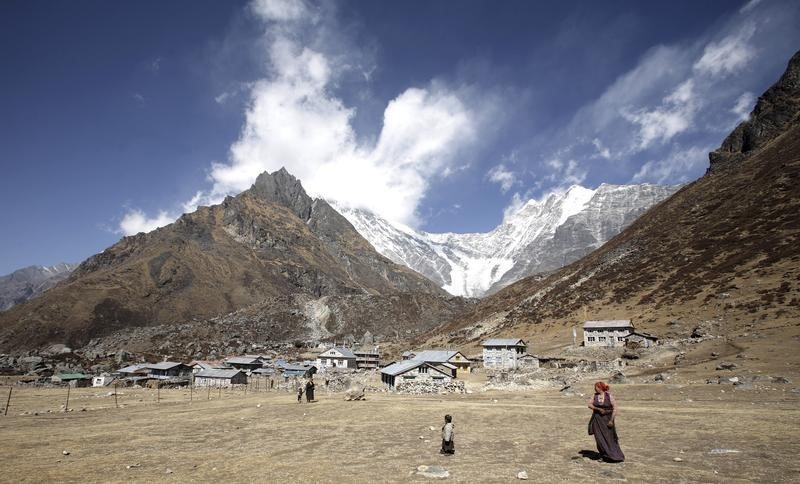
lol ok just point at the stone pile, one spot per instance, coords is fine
(426, 387)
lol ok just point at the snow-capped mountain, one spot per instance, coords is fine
(541, 236)
(25, 283)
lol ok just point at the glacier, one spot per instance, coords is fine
(542, 235)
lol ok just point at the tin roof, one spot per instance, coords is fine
(504, 342)
(612, 323)
(244, 360)
(435, 356)
(164, 365)
(345, 352)
(401, 367)
(227, 374)
(71, 376)
(133, 368)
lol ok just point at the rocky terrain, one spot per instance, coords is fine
(541, 236)
(723, 254)
(29, 282)
(270, 243)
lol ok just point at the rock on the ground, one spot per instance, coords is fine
(618, 377)
(434, 472)
(726, 365)
(522, 475)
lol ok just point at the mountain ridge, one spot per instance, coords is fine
(271, 241)
(542, 235)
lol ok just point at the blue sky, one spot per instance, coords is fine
(444, 115)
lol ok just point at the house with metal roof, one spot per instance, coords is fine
(72, 379)
(367, 358)
(337, 358)
(394, 375)
(503, 353)
(169, 369)
(245, 363)
(220, 378)
(453, 357)
(609, 333)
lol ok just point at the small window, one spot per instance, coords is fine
(620, 338)
(423, 369)
(602, 338)
(592, 338)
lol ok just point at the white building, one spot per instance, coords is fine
(102, 380)
(337, 358)
(608, 334)
(503, 353)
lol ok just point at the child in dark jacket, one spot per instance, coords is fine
(448, 435)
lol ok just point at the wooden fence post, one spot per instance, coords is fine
(66, 406)
(8, 400)
(116, 403)
(191, 391)
(209, 393)
(158, 391)
(220, 391)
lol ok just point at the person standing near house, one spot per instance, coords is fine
(448, 436)
(602, 424)
(300, 394)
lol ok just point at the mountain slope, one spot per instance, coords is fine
(541, 236)
(270, 241)
(29, 282)
(723, 251)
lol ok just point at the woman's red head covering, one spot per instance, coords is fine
(602, 386)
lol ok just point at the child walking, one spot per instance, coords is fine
(448, 435)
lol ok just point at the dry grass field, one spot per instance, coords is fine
(268, 437)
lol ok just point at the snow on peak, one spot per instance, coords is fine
(523, 244)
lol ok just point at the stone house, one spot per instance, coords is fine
(337, 358)
(72, 379)
(638, 339)
(503, 353)
(220, 378)
(395, 374)
(609, 334)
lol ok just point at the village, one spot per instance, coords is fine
(606, 347)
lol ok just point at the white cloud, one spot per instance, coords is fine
(673, 168)
(729, 54)
(673, 116)
(293, 120)
(749, 6)
(136, 221)
(603, 151)
(138, 97)
(744, 104)
(502, 176)
(280, 10)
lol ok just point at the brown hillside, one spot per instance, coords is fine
(724, 251)
(270, 241)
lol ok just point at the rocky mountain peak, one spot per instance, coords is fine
(282, 188)
(776, 110)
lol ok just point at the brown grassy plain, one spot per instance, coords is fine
(268, 437)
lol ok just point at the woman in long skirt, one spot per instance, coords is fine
(602, 426)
